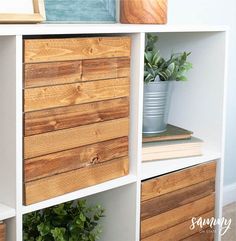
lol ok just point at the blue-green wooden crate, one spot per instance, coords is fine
(80, 10)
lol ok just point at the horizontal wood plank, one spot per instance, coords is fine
(51, 142)
(62, 49)
(38, 122)
(54, 73)
(2, 232)
(176, 199)
(106, 68)
(20, 18)
(205, 235)
(175, 216)
(178, 232)
(81, 157)
(177, 180)
(56, 185)
(44, 74)
(71, 94)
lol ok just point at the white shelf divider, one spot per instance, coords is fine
(41, 29)
(6, 212)
(157, 168)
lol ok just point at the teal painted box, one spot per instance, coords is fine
(85, 11)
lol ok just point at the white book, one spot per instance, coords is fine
(172, 149)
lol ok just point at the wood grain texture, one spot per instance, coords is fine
(56, 185)
(53, 73)
(205, 235)
(2, 232)
(177, 180)
(71, 116)
(11, 18)
(176, 216)
(71, 94)
(63, 49)
(106, 68)
(44, 74)
(178, 232)
(176, 199)
(61, 140)
(143, 11)
(81, 157)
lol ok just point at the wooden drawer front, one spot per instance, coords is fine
(76, 116)
(2, 232)
(63, 49)
(169, 202)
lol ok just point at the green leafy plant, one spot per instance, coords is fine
(174, 68)
(72, 221)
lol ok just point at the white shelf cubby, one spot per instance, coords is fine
(198, 105)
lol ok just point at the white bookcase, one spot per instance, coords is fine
(198, 105)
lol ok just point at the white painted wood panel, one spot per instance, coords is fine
(8, 121)
(6, 212)
(16, 6)
(44, 29)
(120, 221)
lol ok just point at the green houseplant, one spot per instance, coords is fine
(72, 221)
(158, 72)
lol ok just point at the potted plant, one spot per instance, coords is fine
(158, 73)
(72, 221)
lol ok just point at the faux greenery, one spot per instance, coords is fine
(72, 221)
(174, 68)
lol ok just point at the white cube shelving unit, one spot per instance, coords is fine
(198, 105)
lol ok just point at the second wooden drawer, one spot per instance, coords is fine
(170, 201)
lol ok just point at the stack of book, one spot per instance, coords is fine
(175, 142)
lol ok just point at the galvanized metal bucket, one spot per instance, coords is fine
(155, 107)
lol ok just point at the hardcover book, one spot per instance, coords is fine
(171, 149)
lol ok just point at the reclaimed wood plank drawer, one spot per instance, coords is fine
(2, 232)
(76, 114)
(169, 202)
(63, 49)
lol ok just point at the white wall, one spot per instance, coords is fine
(16, 6)
(220, 12)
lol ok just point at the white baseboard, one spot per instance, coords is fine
(229, 194)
